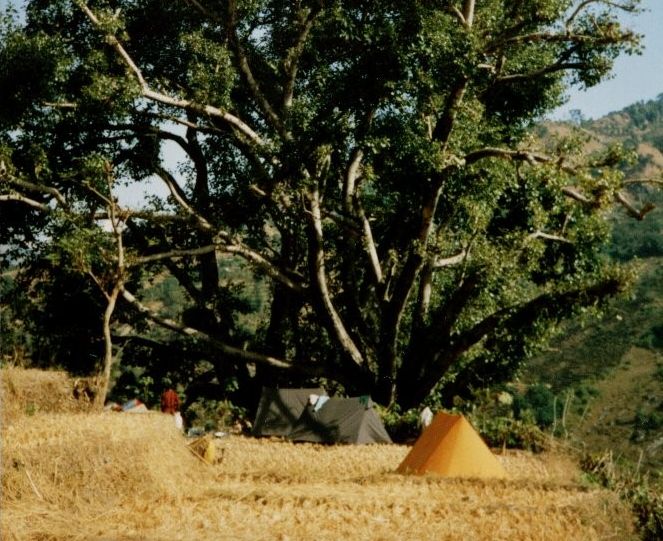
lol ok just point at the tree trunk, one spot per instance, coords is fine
(104, 377)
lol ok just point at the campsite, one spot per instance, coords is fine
(331, 269)
(73, 474)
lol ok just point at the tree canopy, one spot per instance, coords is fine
(370, 165)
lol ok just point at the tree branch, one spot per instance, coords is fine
(230, 119)
(226, 349)
(441, 262)
(23, 199)
(632, 211)
(553, 68)
(291, 62)
(245, 68)
(631, 7)
(319, 278)
(180, 197)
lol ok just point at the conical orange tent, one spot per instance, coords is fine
(451, 447)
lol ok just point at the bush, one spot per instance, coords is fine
(540, 400)
(510, 433)
(213, 415)
(647, 505)
(645, 500)
(402, 427)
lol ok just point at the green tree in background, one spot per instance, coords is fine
(371, 161)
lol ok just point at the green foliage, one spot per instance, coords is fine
(648, 421)
(213, 415)
(643, 495)
(540, 401)
(369, 163)
(501, 420)
(401, 426)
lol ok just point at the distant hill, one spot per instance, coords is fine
(609, 373)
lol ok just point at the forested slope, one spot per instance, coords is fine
(609, 373)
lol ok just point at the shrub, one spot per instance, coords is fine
(401, 426)
(645, 500)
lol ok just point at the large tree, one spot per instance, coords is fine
(373, 162)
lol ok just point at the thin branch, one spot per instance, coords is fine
(643, 181)
(573, 193)
(163, 98)
(291, 62)
(441, 262)
(553, 68)
(115, 43)
(319, 277)
(245, 68)
(60, 104)
(546, 236)
(187, 105)
(634, 212)
(26, 200)
(179, 196)
(626, 7)
(37, 188)
(172, 254)
(459, 15)
(263, 263)
(369, 243)
(528, 156)
(226, 349)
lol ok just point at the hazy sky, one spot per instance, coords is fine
(635, 78)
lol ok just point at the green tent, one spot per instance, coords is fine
(340, 420)
(280, 409)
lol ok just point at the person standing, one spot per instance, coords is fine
(170, 403)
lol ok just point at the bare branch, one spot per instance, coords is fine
(173, 254)
(60, 105)
(573, 193)
(626, 7)
(231, 351)
(349, 186)
(163, 98)
(632, 211)
(528, 156)
(232, 120)
(291, 63)
(180, 197)
(547, 236)
(245, 68)
(115, 43)
(319, 276)
(23, 199)
(31, 186)
(264, 264)
(643, 181)
(369, 243)
(459, 14)
(468, 13)
(441, 262)
(553, 68)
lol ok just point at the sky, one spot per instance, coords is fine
(636, 78)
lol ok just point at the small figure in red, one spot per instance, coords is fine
(170, 402)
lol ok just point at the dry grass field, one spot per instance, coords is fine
(115, 477)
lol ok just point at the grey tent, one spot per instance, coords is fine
(341, 420)
(279, 410)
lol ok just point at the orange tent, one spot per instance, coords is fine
(451, 447)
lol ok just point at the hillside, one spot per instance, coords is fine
(609, 372)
